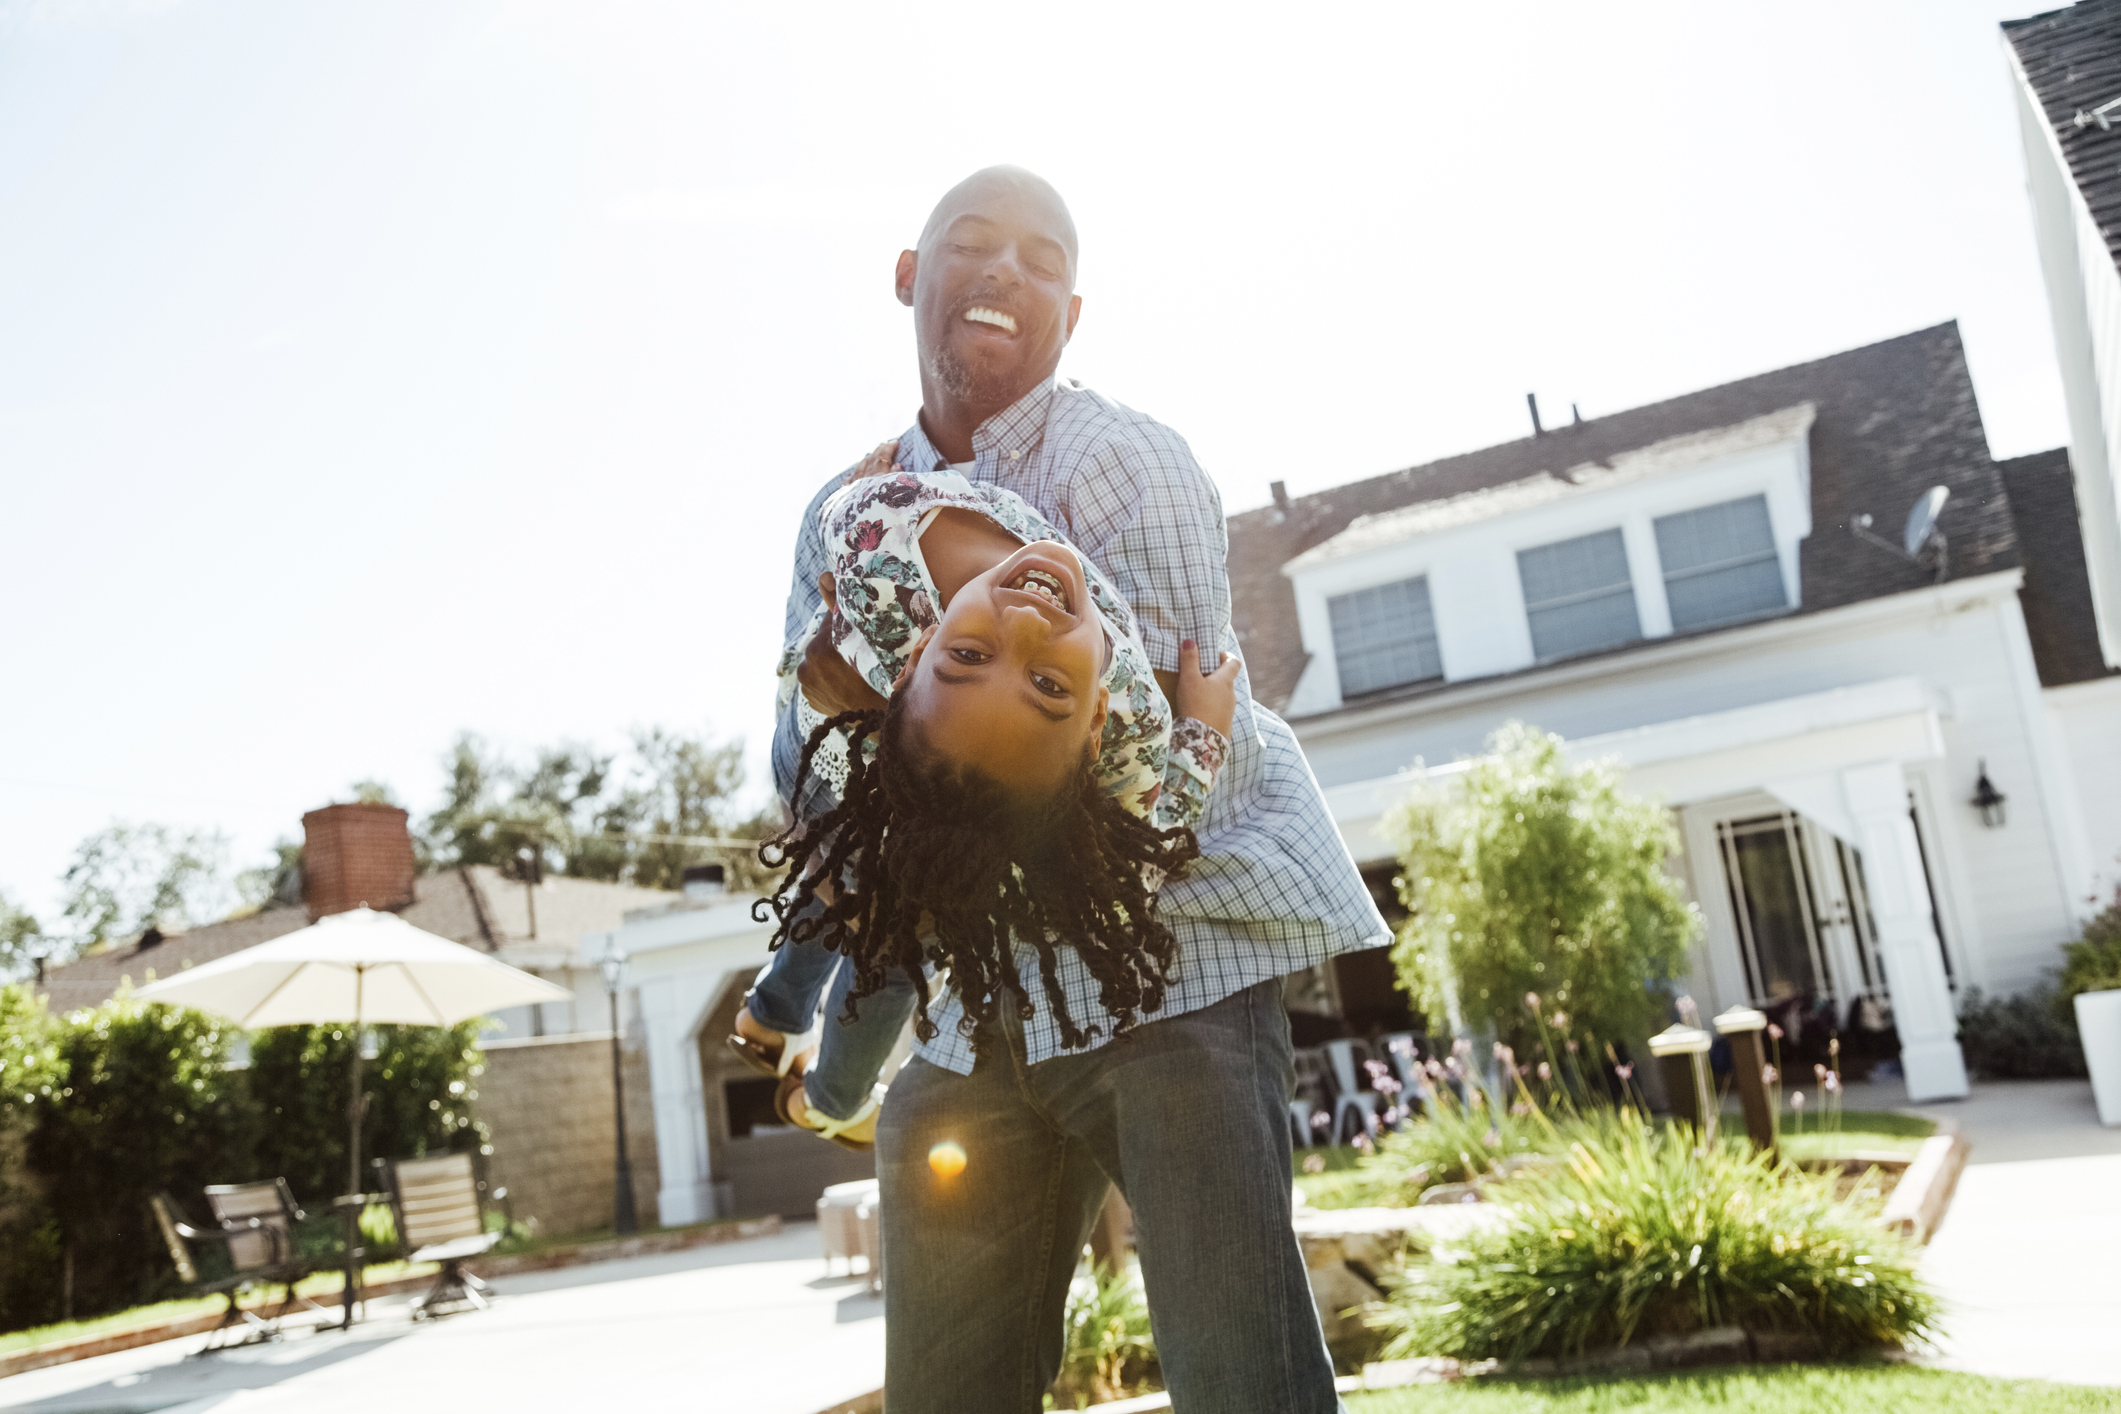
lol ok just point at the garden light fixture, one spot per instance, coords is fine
(1694, 1043)
(1741, 1026)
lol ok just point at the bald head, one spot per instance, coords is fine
(1005, 186)
(992, 286)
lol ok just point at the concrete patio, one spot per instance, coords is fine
(753, 1325)
(2026, 1256)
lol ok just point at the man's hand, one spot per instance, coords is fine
(830, 683)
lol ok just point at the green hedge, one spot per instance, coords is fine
(101, 1108)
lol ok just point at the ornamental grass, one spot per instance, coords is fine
(1641, 1233)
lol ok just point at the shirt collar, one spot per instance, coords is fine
(1011, 435)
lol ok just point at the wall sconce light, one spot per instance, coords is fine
(1988, 800)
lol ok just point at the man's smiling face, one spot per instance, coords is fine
(992, 289)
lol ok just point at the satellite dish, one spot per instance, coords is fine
(1922, 519)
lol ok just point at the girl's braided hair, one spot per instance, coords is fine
(938, 864)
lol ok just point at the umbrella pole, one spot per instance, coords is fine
(354, 1201)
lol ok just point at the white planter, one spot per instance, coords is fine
(2099, 1021)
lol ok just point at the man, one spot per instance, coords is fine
(1188, 1113)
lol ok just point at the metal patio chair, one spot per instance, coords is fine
(440, 1219)
(256, 1227)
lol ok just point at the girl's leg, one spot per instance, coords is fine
(851, 1054)
(786, 994)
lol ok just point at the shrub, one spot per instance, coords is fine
(1538, 876)
(419, 1089)
(2094, 960)
(2032, 1036)
(147, 1103)
(1641, 1234)
(1108, 1351)
(30, 1066)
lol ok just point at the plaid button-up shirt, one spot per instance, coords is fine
(1274, 890)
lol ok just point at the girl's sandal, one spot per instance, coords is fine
(777, 1057)
(857, 1132)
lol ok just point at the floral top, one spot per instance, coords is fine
(872, 529)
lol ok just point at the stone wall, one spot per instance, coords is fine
(547, 1101)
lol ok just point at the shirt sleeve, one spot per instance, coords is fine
(1147, 513)
(1196, 753)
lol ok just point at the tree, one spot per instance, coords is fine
(19, 935)
(127, 878)
(1535, 876)
(636, 817)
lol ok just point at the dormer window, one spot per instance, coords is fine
(1384, 637)
(1578, 596)
(1719, 564)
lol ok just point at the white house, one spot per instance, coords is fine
(1681, 586)
(2066, 67)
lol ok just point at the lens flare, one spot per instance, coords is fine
(947, 1159)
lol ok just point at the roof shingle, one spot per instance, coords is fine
(2072, 59)
(1894, 418)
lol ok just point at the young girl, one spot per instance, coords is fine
(1024, 780)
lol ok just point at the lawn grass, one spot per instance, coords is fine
(1759, 1389)
(323, 1288)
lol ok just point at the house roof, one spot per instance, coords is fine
(477, 906)
(2072, 59)
(1892, 419)
(2058, 594)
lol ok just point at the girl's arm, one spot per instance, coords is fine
(1203, 706)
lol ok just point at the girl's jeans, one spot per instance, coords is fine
(851, 1054)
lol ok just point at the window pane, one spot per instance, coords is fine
(1385, 636)
(1578, 596)
(1719, 564)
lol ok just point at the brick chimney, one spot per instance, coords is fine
(356, 854)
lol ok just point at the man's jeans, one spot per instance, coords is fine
(850, 1054)
(1189, 1117)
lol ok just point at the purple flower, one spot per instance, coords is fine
(1321, 1120)
(1546, 1072)
(1625, 1072)
(1688, 1012)
(1832, 1082)
(1561, 1021)
(1797, 1100)
(1819, 1073)
(1774, 1030)
(1769, 1075)
(1531, 999)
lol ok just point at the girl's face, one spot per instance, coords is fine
(1011, 681)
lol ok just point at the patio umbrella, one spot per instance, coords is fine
(356, 967)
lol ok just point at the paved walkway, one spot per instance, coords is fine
(2028, 1259)
(752, 1326)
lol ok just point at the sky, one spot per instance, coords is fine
(370, 372)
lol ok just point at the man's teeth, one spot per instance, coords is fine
(980, 314)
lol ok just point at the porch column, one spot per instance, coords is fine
(1907, 940)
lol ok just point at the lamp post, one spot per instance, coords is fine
(624, 1221)
(1693, 1043)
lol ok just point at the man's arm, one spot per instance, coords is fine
(1147, 514)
